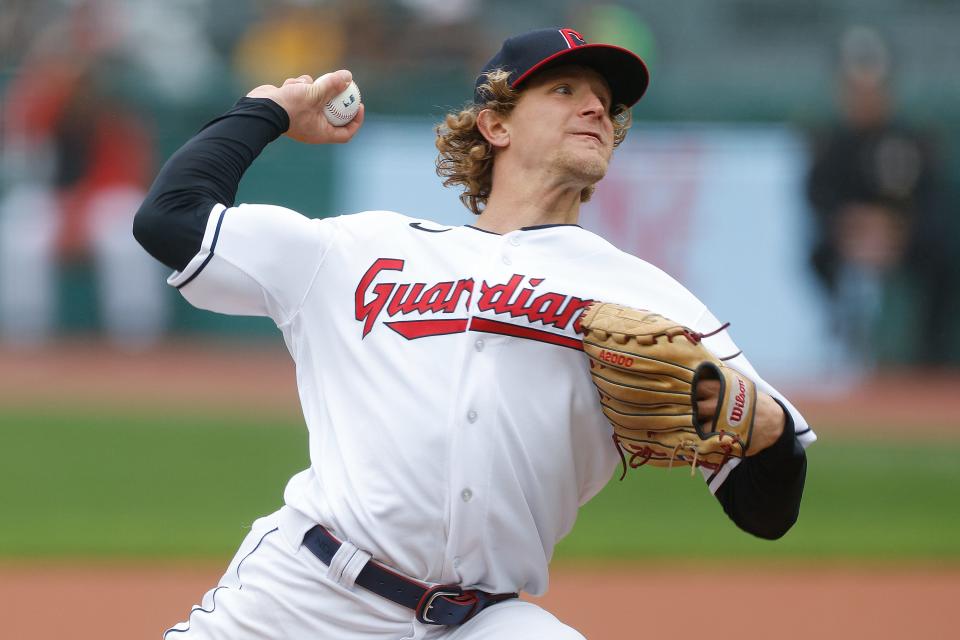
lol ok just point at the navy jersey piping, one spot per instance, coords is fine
(199, 608)
(547, 226)
(533, 228)
(213, 246)
(470, 226)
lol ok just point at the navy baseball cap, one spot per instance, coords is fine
(529, 53)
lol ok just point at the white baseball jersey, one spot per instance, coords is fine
(454, 429)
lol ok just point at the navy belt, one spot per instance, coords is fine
(439, 604)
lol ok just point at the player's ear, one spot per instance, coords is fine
(493, 128)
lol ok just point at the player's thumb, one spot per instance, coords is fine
(329, 85)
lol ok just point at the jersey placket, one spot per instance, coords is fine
(474, 423)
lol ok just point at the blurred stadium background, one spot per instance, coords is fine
(796, 164)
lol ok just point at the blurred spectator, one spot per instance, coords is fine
(405, 54)
(170, 45)
(75, 166)
(292, 38)
(876, 198)
(617, 24)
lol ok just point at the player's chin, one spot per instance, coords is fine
(596, 154)
(589, 168)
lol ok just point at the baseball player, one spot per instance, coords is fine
(453, 427)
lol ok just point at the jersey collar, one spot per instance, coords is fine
(532, 228)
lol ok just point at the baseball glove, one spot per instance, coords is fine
(647, 368)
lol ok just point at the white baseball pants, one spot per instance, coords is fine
(276, 589)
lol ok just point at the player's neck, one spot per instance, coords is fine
(522, 206)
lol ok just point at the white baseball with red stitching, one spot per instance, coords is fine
(343, 108)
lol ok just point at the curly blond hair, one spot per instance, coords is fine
(466, 158)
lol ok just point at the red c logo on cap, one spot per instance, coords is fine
(573, 38)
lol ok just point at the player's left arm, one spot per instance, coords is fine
(761, 492)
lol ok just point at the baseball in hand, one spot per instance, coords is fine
(343, 108)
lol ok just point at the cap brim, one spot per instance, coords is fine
(623, 70)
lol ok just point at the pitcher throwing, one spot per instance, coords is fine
(454, 427)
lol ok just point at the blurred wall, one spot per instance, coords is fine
(181, 62)
(719, 207)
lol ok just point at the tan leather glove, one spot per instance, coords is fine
(647, 368)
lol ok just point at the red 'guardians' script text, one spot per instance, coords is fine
(509, 298)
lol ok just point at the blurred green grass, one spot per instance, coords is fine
(877, 501)
(110, 484)
(102, 484)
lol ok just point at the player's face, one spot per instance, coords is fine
(562, 122)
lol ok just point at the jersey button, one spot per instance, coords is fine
(515, 241)
(466, 495)
(472, 416)
(456, 562)
(478, 344)
(507, 260)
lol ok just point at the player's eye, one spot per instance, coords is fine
(563, 88)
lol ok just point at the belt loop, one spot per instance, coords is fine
(442, 604)
(339, 562)
(353, 568)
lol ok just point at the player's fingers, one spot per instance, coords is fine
(329, 85)
(345, 133)
(299, 80)
(707, 398)
(263, 91)
(708, 389)
(706, 408)
(357, 121)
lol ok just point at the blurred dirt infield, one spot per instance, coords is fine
(114, 602)
(260, 378)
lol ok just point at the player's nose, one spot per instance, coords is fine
(592, 105)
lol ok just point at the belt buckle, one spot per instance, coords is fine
(426, 602)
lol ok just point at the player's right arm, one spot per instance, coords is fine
(251, 259)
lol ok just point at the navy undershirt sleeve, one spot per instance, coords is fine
(205, 171)
(762, 494)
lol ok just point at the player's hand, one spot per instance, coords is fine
(768, 422)
(303, 100)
